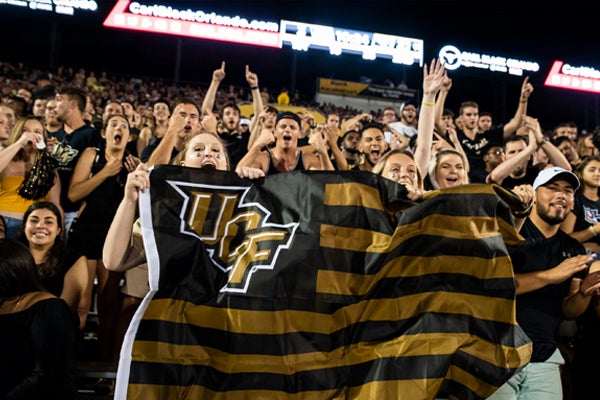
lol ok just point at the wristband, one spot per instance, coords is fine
(427, 103)
(253, 87)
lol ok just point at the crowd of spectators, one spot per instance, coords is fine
(104, 131)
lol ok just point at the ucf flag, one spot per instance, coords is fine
(321, 285)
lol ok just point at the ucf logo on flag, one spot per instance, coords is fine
(321, 285)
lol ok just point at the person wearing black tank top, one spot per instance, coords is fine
(285, 156)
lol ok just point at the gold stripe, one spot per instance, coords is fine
(478, 386)
(280, 322)
(354, 239)
(423, 344)
(362, 240)
(347, 283)
(352, 194)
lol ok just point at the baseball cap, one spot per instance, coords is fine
(245, 121)
(409, 102)
(549, 174)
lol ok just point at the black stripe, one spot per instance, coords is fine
(392, 368)
(305, 342)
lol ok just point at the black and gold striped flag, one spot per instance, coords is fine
(321, 285)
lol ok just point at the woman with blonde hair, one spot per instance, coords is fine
(448, 168)
(26, 174)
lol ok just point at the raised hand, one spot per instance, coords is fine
(433, 76)
(219, 74)
(251, 77)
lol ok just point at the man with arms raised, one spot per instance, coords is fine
(285, 156)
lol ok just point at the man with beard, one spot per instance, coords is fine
(349, 145)
(73, 138)
(183, 124)
(285, 156)
(371, 145)
(236, 142)
(407, 125)
(551, 284)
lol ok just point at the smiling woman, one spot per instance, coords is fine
(63, 271)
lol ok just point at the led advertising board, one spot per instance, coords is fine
(65, 7)
(566, 76)
(304, 36)
(201, 24)
(454, 58)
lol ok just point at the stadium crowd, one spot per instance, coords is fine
(75, 149)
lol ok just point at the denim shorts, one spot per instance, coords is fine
(13, 227)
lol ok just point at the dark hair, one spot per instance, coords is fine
(515, 138)
(449, 112)
(74, 94)
(55, 256)
(186, 100)
(370, 125)
(18, 272)
(231, 105)
(596, 137)
(581, 166)
(271, 109)
(163, 101)
(117, 115)
(20, 105)
(559, 140)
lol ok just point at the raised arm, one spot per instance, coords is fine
(257, 102)
(433, 78)
(118, 245)
(512, 125)
(319, 160)
(331, 135)
(506, 167)
(8, 153)
(555, 156)
(256, 157)
(209, 99)
(256, 127)
(440, 126)
(350, 122)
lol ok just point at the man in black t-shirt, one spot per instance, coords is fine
(75, 136)
(551, 284)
